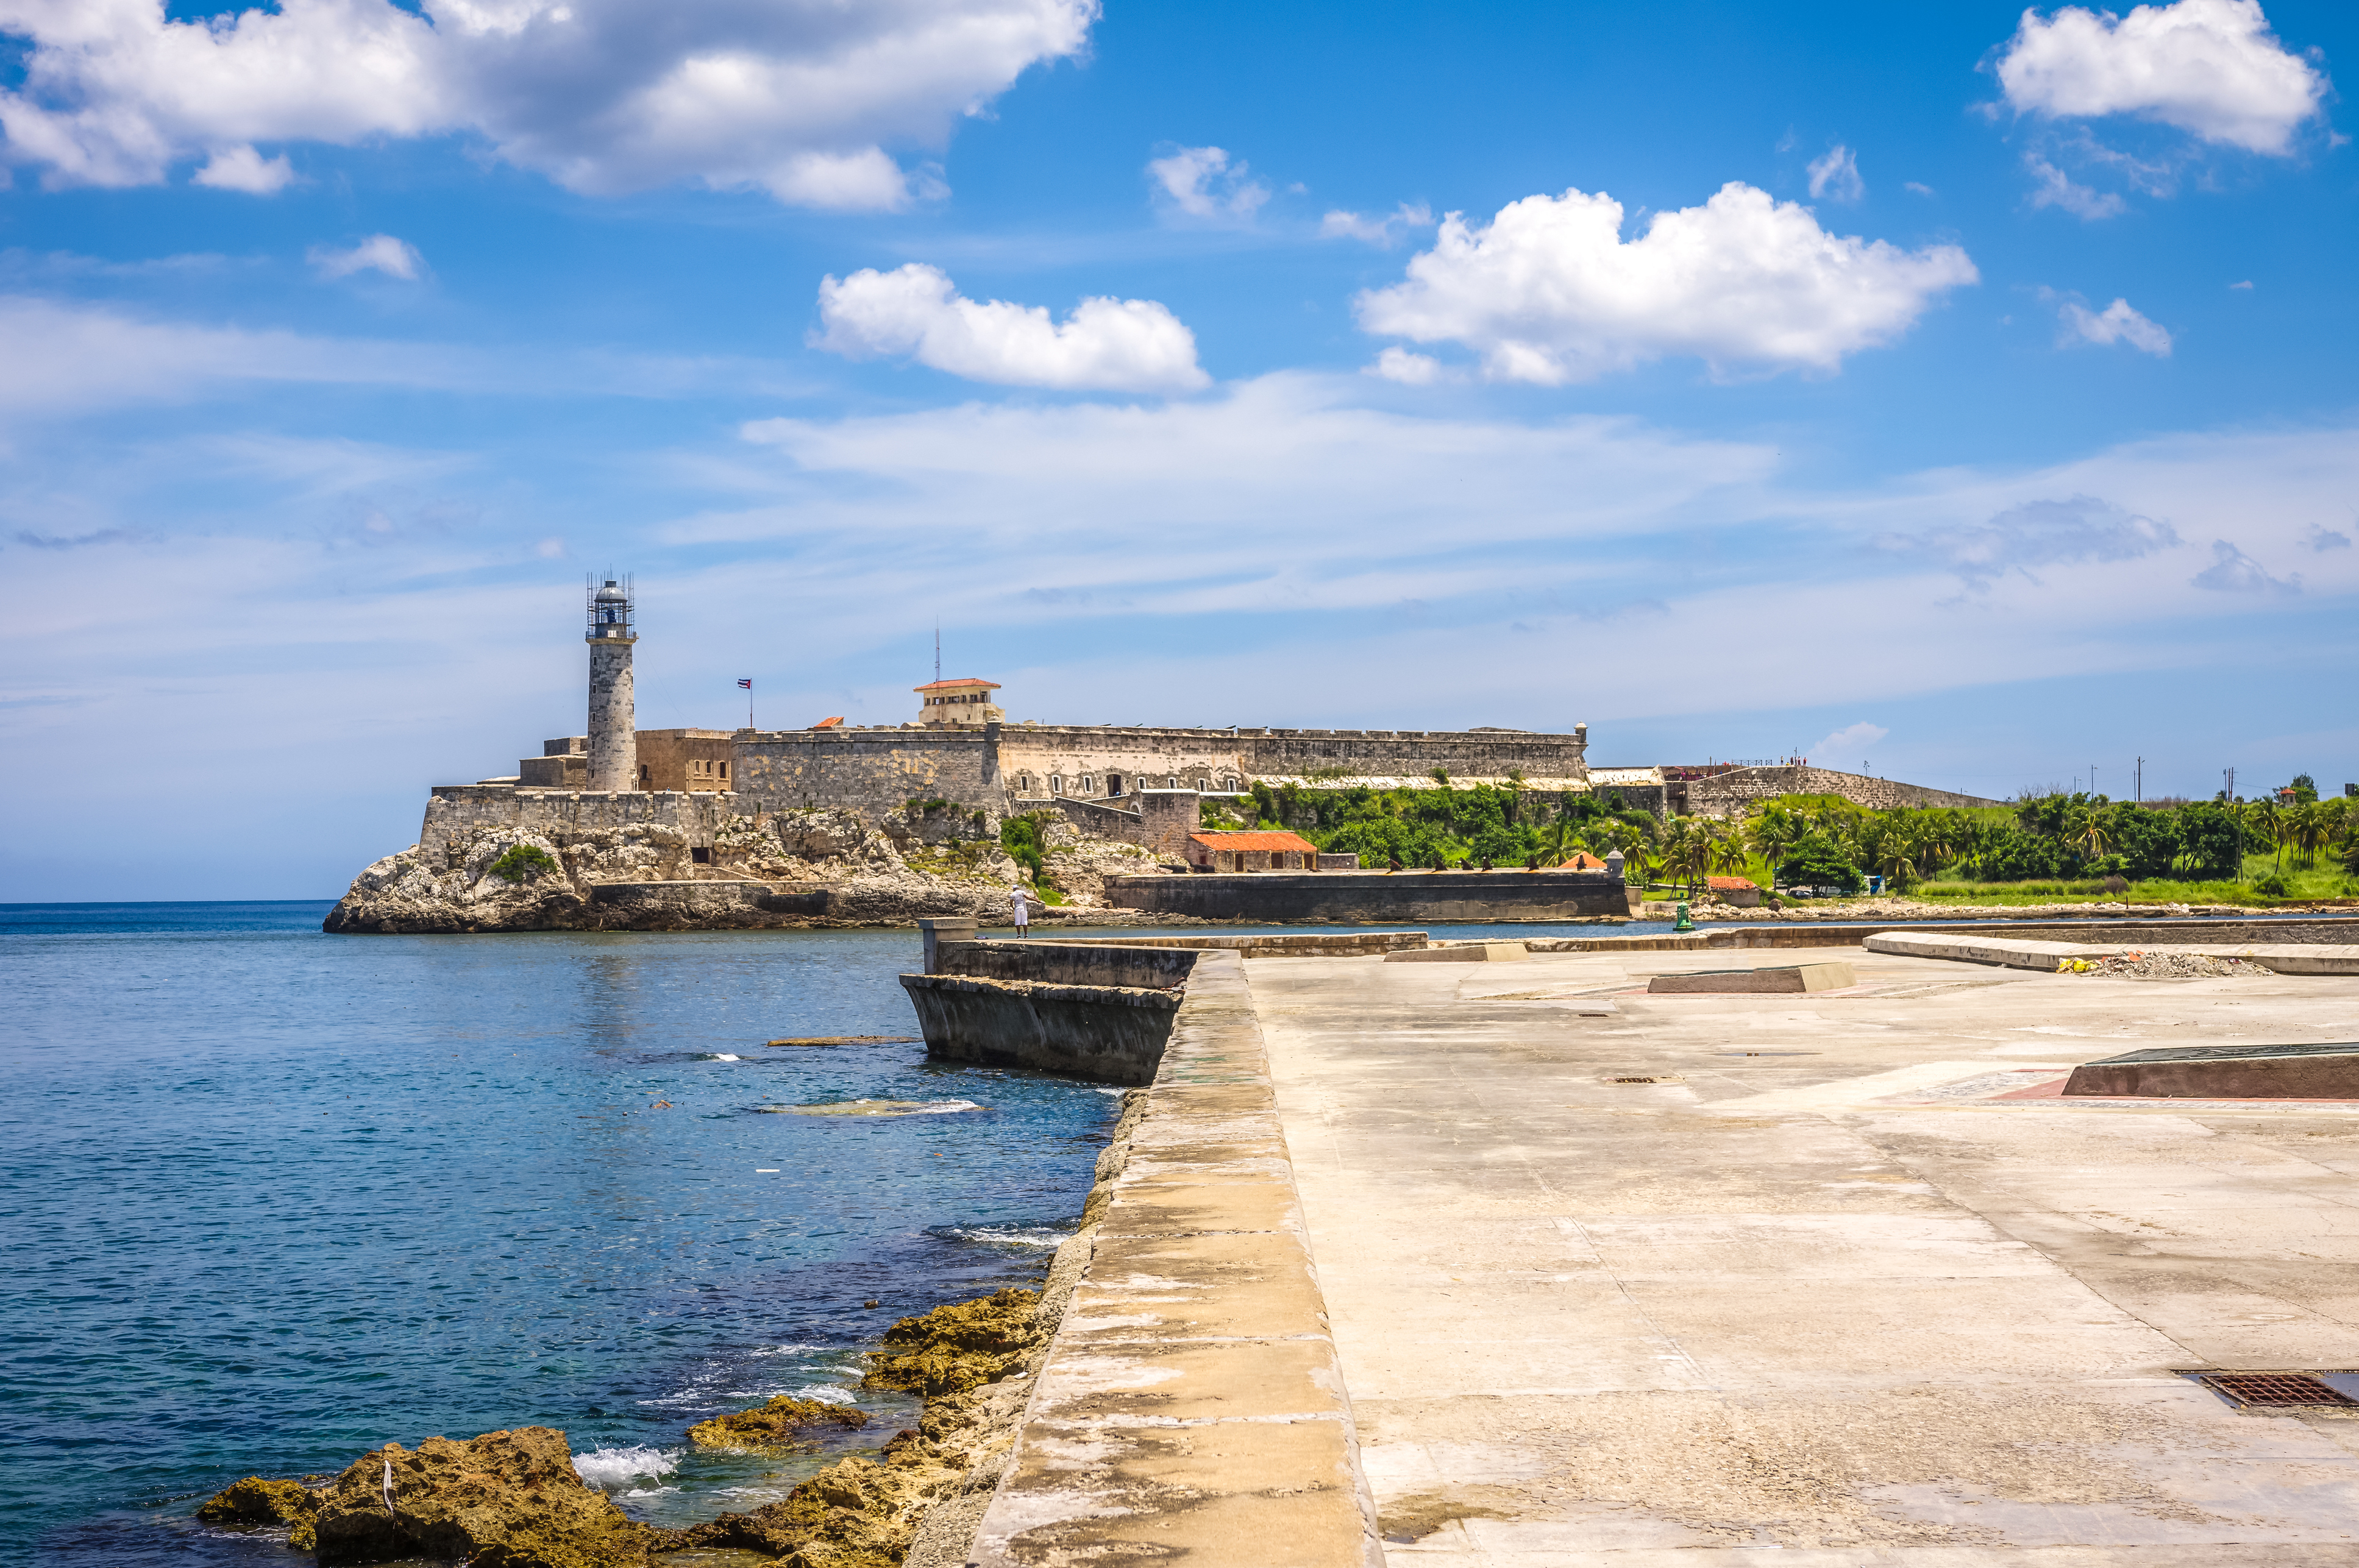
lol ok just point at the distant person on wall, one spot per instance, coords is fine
(1023, 913)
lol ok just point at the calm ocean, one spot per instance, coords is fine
(270, 1199)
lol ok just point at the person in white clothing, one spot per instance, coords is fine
(1023, 913)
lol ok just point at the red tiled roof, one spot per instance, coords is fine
(829, 723)
(1730, 884)
(1255, 841)
(958, 685)
(1585, 862)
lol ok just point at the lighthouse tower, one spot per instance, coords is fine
(613, 734)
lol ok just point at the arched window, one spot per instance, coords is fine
(1024, 783)
(1089, 785)
(1055, 783)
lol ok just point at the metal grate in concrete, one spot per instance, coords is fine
(2274, 1389)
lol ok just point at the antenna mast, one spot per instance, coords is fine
(938, 653)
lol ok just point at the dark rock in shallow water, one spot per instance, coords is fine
(256, 1500)
(506, 1500)
(776, 1425)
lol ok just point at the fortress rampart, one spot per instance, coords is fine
(1730, 793)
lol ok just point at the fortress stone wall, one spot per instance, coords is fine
(452, 809)
(869, 770)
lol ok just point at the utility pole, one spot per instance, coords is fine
(2138, 781)
(938, 653)
(2093, 778)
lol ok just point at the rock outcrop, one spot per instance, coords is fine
(259, 1501)
(813, 867)
(506, 1500)
(776, 1427)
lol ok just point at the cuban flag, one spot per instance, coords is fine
(746, 685)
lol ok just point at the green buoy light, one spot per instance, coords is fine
(1684, 922)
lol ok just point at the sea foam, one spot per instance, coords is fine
(613, 1466)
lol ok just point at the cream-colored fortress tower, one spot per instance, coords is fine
(613, 734)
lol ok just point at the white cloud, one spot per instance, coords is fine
(380, 252)
(1835, 177)
(1408, 367)
(2057, 188)
(1842, 749)
(243, 168)
(801, 99)
(2117, 323)
(1549, 292)
(1386, 231)
(1116, 345)
(1920, 188)
(2247, 284)
(1203, 184)
(2232, 571)
(2321, 540)
(2211, 67)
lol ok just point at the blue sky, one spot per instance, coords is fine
(1959, 392)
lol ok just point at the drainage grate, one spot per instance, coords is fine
(2275, 1389)
(1644, 1079)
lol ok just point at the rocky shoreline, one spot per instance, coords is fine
(807, 869)
(513, 1499)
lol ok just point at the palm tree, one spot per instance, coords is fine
(2306, 827)
(1773, 832)
(2264, 824)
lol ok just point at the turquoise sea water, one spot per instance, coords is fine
(270, 1199)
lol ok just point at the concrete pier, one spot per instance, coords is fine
(1681, 1279)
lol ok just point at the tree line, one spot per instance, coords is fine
(1818, 840)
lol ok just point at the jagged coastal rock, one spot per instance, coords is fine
(257, 1500)
(810, 867)
(506, 1500)
(776, 1427)
(513, 1499)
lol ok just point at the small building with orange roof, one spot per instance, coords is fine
(1261, 851)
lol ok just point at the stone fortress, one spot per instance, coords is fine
(1136, 783)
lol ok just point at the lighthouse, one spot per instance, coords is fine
(614, 736)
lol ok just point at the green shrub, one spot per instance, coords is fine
(2273, 885)
(522, 863)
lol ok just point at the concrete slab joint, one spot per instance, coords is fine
(1192, 1406)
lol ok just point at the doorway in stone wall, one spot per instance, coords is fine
(1114, 783)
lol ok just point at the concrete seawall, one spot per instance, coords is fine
(1354, 898)
(1190, 1407)
(1189, 1404)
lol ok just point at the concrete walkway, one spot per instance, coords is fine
(1836, 1300)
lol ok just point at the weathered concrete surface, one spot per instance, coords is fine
(1311, 898)
(1769, 978)
(1462, 953)
(2285, 957)
(1818, 1299)
(2212, 1072)
(1190, 1409)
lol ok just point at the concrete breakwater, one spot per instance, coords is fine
(1189, 1404)
(1376, 898)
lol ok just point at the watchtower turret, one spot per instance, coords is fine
(614, 734)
